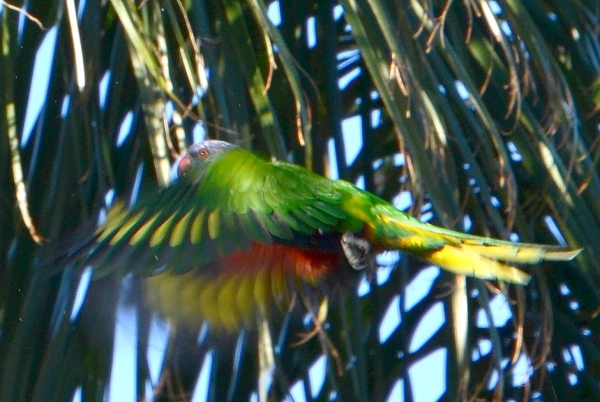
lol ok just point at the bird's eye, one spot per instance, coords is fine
(184, 165)
(203, 153)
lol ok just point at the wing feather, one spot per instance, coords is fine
(310, 221)
(254, 227)
(236, 200)
(277, 228)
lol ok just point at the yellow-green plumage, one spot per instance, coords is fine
(229, 201)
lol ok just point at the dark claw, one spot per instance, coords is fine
(359, 253)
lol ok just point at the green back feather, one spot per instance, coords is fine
(237, 198)
(209, 212)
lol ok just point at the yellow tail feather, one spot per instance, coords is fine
(457, 252)
(520, 253)
(460, 260)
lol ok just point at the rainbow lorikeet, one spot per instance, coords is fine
(235, 234)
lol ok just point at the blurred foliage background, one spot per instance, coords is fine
(477, 115)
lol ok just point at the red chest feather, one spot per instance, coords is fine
(230, 292)
(290, 260)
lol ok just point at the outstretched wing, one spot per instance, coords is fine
(239, 199)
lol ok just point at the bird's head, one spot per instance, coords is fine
(201, 155)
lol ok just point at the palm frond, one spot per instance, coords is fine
(480, 116)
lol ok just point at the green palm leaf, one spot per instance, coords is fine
(482, 114)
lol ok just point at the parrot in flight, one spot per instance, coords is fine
(236, 234)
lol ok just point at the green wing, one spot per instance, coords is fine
(237, 200)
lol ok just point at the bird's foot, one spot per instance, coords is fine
(359, 253)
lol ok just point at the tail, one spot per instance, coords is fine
(471, 261)
(461, 253)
